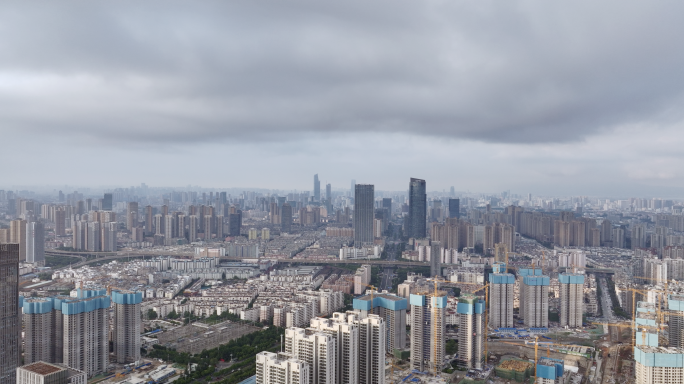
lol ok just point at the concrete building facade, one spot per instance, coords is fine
(471, 331)
(501, 297)
(127, 326)
(536, 301)
(274, 368)
(571, 299)
(372, 333)
(317, 349)
(68, 330)
(392, 309)
(428, 322)
(675, 303)
(658, 365)
(46, 373)
(347, 334)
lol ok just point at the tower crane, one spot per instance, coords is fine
(626, 325)
(486, 315)
(548, 351)
(373, 290)
(435, 312)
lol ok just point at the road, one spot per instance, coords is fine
(606, 305)
(388, 272)
(610, 369)
(121, 254)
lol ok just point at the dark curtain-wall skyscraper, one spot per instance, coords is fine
(10, 325)
(454, 208)
(107, 202)
(286, 218)
(364, 196)
(387, 204)
(235, 223)
(417, 209)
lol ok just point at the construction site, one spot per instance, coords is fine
(196, 337)
(515, 369)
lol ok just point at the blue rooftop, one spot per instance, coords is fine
(382, 300)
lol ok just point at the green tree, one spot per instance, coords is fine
(451, 347)
(151, 314)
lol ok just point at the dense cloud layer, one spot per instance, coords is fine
(527, 93)
(202, 71)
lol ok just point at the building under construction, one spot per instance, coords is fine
(515, 369)
(428, 322)
(471, 331)
(196, 337)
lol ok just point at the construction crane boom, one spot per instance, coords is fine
(548, 351)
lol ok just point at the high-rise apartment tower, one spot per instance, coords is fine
(536, 302)
(571, 299)
(470, 331)
(126, 332)
(501, 297)
(428, 330)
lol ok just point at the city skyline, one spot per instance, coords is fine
(97, 190)
(350, 192)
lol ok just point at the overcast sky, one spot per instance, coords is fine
(544, 97)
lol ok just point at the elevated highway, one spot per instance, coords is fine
(96, 257)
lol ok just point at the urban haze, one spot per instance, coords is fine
(342, 193)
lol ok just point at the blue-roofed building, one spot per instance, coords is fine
(571, 299)
(127, 326)
(534, 299)
(471, 331)
(550, 371)
(428, 322)
(501, 297)
(69, 330)
(675, 303)
(658, 364)
(392, 309)
(522, 272)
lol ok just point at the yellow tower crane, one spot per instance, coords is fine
(392, 365)
(658, 306)
(373, 290)
(486, 319)
(486, 314)
(664, 281)
(627, 325)
(435, 313)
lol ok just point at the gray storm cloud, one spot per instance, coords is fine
(503, 72)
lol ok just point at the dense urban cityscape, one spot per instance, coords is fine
(355, 192)
(339, 285)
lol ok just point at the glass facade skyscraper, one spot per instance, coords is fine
(387, 204)
(417, 209)
(454, 208)
(286, 218)
(364, 197)
(107, 202)
(10, 321)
